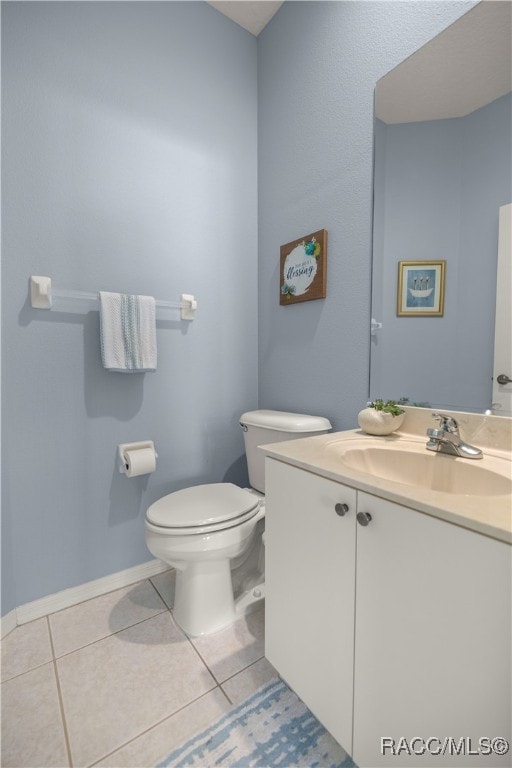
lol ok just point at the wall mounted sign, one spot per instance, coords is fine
(303, 274)
(420, 288)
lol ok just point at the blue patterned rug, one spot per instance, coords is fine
(271, 729)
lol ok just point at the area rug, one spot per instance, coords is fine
(271, 729)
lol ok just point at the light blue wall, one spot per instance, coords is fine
(129, 139)
(442, 182)
(318, 63)
(129, 164)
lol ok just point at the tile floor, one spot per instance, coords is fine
(115, 682)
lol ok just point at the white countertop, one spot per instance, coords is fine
(488, 515)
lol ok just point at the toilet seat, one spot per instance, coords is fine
(203, 509)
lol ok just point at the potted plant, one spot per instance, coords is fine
(381, 418)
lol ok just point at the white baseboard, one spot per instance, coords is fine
(8, 623)
(74, 595)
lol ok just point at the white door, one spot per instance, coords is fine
(310, 588)
(432, 640)
(502, 393)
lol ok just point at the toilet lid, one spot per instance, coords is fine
(202, 505)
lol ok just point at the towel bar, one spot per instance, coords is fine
(42, 295)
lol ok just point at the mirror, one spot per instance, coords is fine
(442, 169)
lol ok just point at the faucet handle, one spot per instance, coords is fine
(437, 433)
(446, 422)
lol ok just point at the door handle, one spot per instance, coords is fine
(504, 379)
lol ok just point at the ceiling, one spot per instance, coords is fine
(252, 16)
(440, 80)
(464, 68)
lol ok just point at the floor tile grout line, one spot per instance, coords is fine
(26, 671)
(168, 717)
(189, 640)
(36, 666)
(202, 659)
(88, 599)
(160, 722)
(61, 703)
(104, 594)
(160, 595)
(56, 656)
(220, 683)
(112, 634)
(232, 676)
(217, 683)
(251, 664)
(60, 697)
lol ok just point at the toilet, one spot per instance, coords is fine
(209, 533)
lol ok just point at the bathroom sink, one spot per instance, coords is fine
(410, 463)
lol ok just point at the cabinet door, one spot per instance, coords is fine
(309, 604)
(432, 639)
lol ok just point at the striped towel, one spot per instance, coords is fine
(127, 332)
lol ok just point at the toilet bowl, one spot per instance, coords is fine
(207, 531)
(201, 531)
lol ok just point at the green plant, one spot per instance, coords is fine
(390, 406)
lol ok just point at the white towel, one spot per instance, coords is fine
(127, 332)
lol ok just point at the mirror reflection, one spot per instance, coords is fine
(442, 171)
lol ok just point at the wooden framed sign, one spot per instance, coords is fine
(303, 273)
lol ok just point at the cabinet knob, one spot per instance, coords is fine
(341, 509)
(363, 518)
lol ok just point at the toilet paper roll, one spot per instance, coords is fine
(139, 462)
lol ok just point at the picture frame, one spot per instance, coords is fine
(421, 288)
(303, 269)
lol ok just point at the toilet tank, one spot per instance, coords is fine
(261, 427)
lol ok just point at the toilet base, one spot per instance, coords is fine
(250, 599)
(204, 602)
(203, 599)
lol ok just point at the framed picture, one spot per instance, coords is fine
(420, 288)
(303, 273)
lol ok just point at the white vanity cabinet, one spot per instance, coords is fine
(428, 654)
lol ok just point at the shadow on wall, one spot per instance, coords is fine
(236, 473)
(125, 495)
(119, 397)
(106, 394)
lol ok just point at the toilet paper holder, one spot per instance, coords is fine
(123, 447)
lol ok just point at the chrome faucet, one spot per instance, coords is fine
(446, 439)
